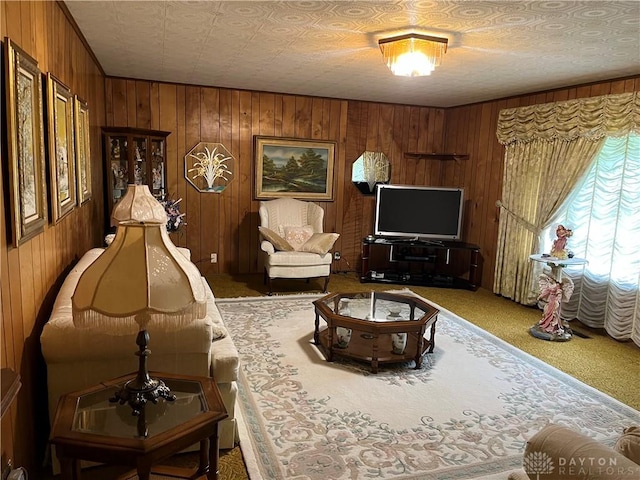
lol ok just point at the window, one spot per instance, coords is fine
(604, 213)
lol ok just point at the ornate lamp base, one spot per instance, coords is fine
(142, 389)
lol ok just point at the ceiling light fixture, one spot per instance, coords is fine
(413, 55)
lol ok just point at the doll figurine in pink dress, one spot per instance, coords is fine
(559, 248)
(554, 293)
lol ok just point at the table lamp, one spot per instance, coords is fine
(138, 204)
(141, 279)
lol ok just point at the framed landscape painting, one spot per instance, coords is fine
(62, 160)
(25, 144)
(83, 157)
(289, 167)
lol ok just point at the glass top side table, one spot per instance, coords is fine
(554, 289)
(88, 426)
(96, 414)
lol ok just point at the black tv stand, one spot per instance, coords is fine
(434, 263)
(429, 242)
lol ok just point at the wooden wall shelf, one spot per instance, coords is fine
(440, 156)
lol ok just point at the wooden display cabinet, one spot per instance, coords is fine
(133, 155)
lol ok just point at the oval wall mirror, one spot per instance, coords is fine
(368, 170)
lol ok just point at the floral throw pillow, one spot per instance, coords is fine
(297, 236)
(320, 243)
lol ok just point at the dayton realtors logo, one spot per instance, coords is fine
(538, 463)
(541, 464)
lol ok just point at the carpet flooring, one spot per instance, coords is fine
(593, 357)
(466, 413)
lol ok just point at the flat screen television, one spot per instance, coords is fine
(419, 212)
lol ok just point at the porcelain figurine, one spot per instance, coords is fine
(398, 342)
(559, 248)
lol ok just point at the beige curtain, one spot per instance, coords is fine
(547, 149)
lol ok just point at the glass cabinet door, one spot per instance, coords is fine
(157, 168)
(119, 166)
(133, 156)
(140, 160)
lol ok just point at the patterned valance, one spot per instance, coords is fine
(593, 118)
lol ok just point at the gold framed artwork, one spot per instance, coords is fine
(62, 164)
(82, 144)
(25, 144)
(296, 168)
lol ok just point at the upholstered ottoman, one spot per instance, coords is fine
(78, 358)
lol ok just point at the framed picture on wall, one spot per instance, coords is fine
(82, 144)
(62, 158)
(25, 144)
(290, 167)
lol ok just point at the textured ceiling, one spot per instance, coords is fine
(330, 48)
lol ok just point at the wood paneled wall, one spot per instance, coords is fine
(472, 129)
(31, 273)
(227, 223)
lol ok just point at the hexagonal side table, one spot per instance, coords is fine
(88, 426)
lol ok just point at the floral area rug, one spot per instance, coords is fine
(466, 413)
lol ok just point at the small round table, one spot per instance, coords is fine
(555, 290)
(88, 426)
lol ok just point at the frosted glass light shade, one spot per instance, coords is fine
(138, 205)
(413, 55)
(141, 279)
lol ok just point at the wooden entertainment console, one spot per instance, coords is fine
(420, 262)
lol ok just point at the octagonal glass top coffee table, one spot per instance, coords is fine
(375, 327)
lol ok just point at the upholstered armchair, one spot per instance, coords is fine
(293, 242)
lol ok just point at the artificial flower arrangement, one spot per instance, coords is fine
(210, 165)
(175, 218)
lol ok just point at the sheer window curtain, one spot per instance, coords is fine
(604, 214)
(548, 148)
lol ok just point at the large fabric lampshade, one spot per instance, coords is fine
(140, 279)
(139, 205)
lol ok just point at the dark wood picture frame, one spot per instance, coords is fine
(62, 158)
(25, 144)
(292, 167)
(83, 149)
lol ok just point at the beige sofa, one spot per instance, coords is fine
(559, 453)
(78, 358)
